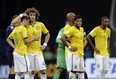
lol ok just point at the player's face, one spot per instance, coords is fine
(26, 22)
(105, 22)
(32, 16)
(71, 16)
(78, 22)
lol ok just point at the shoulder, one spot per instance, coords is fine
(96, 28)
(67, 26)
(39, 23)
(108, 29)
(21, 27)
(82, 28)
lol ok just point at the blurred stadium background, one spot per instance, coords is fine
(53, 16)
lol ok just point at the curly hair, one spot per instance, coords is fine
(29, 10)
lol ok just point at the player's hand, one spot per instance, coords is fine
(24, 14)
(73, 49)
(68, 40)
(36, 38)
(97, 51)
(42, 47)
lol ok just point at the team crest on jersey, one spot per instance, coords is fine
(37, 27)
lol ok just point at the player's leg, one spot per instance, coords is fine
(80, 67)
(9, 57)
(105, 66)
(57, 73)
(28, 72)
(72, 65)
(21, 65)
(61, 63)
(66, 59)
(32, 63)
(99, 66)
(40, 65)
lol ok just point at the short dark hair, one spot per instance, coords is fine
(24, 17)
(104, 17)
(14, 17)
(77, 17)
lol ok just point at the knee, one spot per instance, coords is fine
(19, 73)
(104, 71)
(43, 71)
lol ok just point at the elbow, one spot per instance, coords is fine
(48, 35)
(62, 39)
(87, 37)
(7, 39)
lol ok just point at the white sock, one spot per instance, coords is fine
(17, 76)
(27, 76)
(32, 76)
(43, 76)
(22, 75)
(72, 75)
(104, 73)
(99, 74)
(81, 76)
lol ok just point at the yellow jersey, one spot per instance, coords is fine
(37, 29)
(31, 47)
(18, 35)
(76, 37)
(66, 27)
(101, 40)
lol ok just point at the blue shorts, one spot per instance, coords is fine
(9, 57)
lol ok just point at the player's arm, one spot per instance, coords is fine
(65, 41)
(17, 19)
(10, 42)
(25, 36)
(109, 46)
(85, 42)
(59, 36)
(47, 37)
(27, 41)
(109, 35)
(88, 37)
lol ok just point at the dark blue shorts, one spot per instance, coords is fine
(9, 57)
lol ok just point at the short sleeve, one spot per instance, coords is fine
(44, 29)
(93, 32)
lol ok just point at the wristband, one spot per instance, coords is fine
(21, 15)
(45, 44)
(69, 47)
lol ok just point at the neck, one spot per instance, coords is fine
(77, 27)
(32, 22)
(103, 27)
(71, 23)
(22, 24)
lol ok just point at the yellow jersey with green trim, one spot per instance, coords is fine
(67, 27)
(37, 29)
(101, 37)
(31, 47)
(18, 35)
(76, 37)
